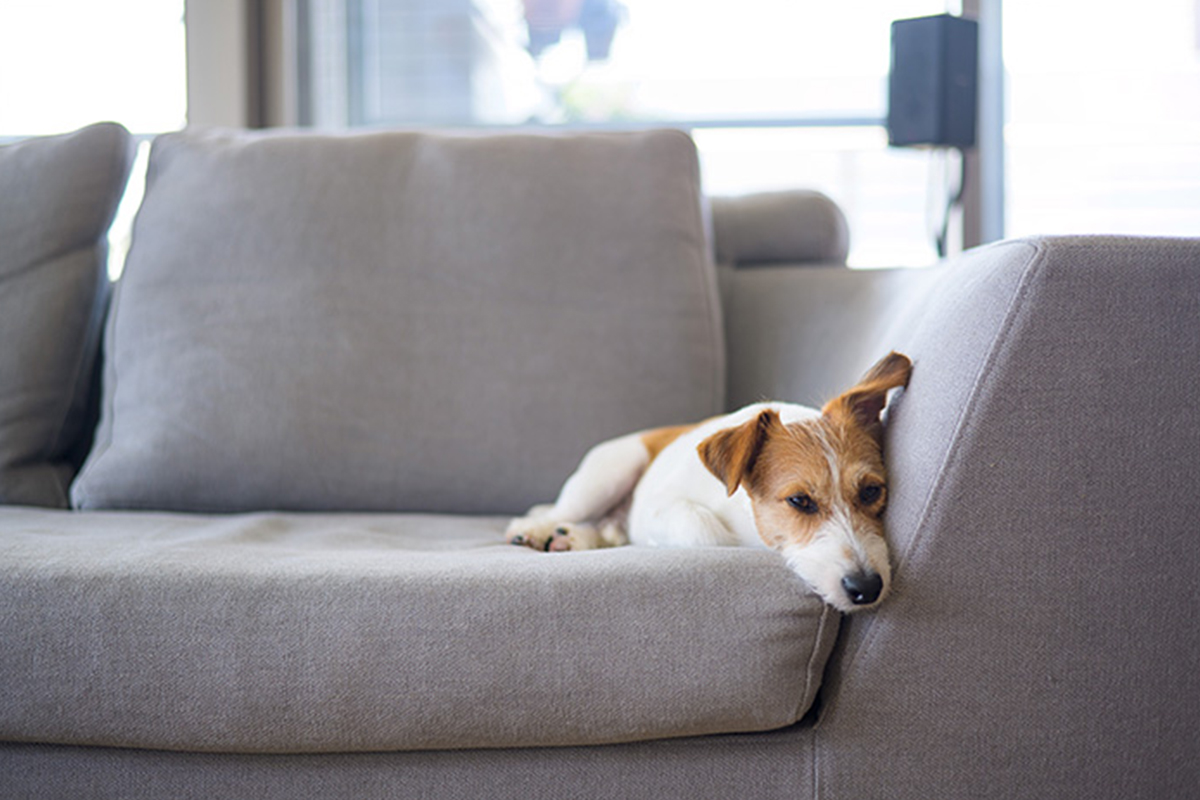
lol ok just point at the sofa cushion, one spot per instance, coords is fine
(57, 199)
(361, 632)
(400, 321)
(796, 226)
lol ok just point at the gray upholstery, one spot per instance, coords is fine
(400, 321)
(739, 766)
(354, 633)
(791, 335)
(788, 227)
(1042, 632)
(1040, 640)
(58, 195)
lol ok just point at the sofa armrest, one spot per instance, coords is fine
(788, 227)
(1041, 637)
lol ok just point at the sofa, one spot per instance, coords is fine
(253, 493)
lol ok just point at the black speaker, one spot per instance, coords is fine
(932, 84)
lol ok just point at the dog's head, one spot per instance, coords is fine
(818, 487)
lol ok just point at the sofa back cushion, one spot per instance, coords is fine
(57, 199)
(400, 321)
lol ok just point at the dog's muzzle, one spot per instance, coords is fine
(863, 588)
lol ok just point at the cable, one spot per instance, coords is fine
(954, 199)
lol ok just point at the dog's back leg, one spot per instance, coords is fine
(603, 480)
(589, 511)
(681, 523)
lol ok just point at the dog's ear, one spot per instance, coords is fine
(863, 403)
(730, 454)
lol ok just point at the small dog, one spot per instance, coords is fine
(809, 484)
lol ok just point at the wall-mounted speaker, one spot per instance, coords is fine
(932, 85)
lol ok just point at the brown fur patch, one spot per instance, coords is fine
(863, 403)
(860, 465)
(731, 454)
(656, 440)
(795, 462)
(799, 475)
(792, 464)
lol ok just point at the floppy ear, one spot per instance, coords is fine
(730, 454)
(863, 403)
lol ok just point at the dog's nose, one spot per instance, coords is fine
(863, 588)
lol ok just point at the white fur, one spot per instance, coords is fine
(674, 501)
(835, 552)
(605, 479)
(679, 476)
(592, 508)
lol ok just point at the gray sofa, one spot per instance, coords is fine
(250, 544)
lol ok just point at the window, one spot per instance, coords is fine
(65, 64)
(504, 62)
(778, 93)
(1103, 132)
(1102, 99)
(68, 63)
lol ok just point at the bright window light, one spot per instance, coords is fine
(1103, 132)
(68, 63)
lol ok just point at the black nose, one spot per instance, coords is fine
(863, 588)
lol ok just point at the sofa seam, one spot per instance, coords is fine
(811, 672)
(82, 371)
(710, 285)
(120, 159)
(822, 622)
(1030, 271)
(733, 229)
(704, 267)
(77, 496)
(985, 370)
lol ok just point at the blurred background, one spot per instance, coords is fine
(1095, 125)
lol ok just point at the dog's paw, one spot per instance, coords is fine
(529, 531)
(550, 536)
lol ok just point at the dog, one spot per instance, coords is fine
(809, 484)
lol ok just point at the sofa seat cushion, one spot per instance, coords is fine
(340, 633)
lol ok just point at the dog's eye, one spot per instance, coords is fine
(803, 503)
(869, 495)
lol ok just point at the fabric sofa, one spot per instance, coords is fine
(251, 542)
